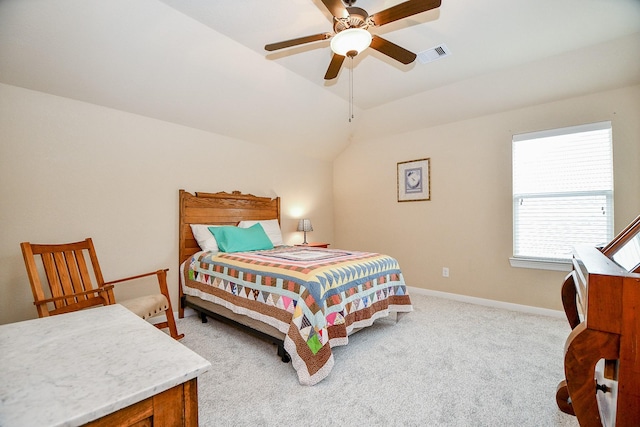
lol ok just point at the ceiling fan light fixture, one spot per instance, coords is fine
(352, 39)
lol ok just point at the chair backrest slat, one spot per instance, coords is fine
(63, 267)
(78, 273)
(53, 279)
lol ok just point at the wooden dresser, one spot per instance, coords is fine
(101, 367)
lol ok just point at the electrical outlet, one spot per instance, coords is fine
(445, 271)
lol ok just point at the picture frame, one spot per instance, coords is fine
(414, 180)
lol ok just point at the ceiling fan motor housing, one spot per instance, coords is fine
(357, 19)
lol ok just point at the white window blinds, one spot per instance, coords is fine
(562, 190)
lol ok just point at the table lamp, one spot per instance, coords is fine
(305, 225)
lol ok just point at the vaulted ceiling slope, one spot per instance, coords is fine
(202, 63)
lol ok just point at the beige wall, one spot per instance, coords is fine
(70, 170)
(467, 224)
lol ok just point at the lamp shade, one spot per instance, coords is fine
(352, 39)
(305, 225)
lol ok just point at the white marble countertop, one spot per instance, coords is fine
(70, 369)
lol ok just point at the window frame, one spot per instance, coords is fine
(549, 263)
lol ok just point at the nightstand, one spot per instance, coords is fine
(315, 245)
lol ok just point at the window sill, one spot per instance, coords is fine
(541, 264)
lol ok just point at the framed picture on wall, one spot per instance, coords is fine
(414, 183)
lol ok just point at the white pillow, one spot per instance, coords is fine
(270, 226)
(204, 237)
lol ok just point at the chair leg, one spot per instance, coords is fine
(171, 321)
(173, 329)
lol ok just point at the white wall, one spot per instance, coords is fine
(467, 226)
(71, 170)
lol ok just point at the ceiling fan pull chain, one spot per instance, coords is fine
(351, 90)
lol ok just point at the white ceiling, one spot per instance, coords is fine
(202, 63)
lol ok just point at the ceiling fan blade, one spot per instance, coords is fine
(334, 67)
(403, 10)
(336, 7)
(298, 41)
(392, 50)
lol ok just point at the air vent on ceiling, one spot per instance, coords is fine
(433, 54)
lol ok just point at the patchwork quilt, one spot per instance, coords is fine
(314, 296)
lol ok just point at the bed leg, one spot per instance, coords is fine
(399, 315)
(282, 353)
(203, 317)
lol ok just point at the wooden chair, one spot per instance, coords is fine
(71, 281)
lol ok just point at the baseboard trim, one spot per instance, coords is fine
(488, 302)
(188, 312)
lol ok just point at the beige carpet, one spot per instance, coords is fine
(445, 364)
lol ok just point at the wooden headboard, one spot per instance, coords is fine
(219, 209)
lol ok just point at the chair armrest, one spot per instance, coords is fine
(99, 290)
(139, 276)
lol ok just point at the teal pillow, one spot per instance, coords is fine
(234, 239)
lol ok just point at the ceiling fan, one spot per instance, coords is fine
(351, 31)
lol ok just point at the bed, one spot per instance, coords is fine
(304, 300)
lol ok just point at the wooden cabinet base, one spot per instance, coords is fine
(177, 406)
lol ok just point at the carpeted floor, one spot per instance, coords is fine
(447, 363)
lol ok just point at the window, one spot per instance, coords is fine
(562, 192)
